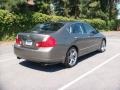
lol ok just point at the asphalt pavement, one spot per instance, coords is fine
(95, 71)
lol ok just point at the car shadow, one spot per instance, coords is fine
(41, 66)
(52, 67)
(82, 58)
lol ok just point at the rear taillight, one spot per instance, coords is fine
(18, 40)
(50, 42)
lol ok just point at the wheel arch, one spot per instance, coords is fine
(104, 40)
(74, 46)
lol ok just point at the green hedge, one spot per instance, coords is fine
(11, 24)
(6, 24)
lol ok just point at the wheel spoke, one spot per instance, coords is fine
(103, 48)
(71, 61)
(72, 57)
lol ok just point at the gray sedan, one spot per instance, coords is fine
(59, 42)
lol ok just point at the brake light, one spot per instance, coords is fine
(50, 42)
(18, 40)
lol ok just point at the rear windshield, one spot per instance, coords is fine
(47, 27)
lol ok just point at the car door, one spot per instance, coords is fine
(91, 35)
(80, 38)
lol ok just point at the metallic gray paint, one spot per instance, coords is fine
(85, 43)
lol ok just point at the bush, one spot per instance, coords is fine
(6, 24)
(39, 18)
(96, 23)
(11, 24)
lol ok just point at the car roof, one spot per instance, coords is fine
(66, 22)
(69, 22)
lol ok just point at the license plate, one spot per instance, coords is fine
(29, 43)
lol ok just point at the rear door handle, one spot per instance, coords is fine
(90, 35)
(76, 37)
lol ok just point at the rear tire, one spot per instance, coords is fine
(103, 46)
(71, 57)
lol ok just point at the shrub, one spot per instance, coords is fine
(96, 23)
(11, 24)
(6, 23)
(40, 18)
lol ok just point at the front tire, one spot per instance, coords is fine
(71, 57)
(103, 46)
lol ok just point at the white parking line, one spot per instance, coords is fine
(89, 72)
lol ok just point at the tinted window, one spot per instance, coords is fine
(88, 28)
(47, 27)
(76, 28)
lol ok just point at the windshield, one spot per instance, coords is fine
(47, 27)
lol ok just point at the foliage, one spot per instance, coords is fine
(6, 23)
(18, 16)
(97, 23)
(12, 23)
(43, 6)
(104, 9)
(10, 4)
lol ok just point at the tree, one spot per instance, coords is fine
(104, 5)
(103, 9)
(62, 7)
(74, 7)
(111, 7)
(43, 6)
(9, 4)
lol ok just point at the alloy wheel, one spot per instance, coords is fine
(71, 57)
(103, 46)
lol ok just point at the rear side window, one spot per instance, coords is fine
(76, 29)
(47, 27)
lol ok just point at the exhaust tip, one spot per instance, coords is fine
(18, 58)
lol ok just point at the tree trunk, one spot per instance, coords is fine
(110, 8)
(30, 2)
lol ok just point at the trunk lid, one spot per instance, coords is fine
(29, 39)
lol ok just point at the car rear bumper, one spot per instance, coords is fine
(46, 55)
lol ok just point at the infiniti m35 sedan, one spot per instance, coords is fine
(59, 42)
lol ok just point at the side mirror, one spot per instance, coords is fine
(97, 30)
